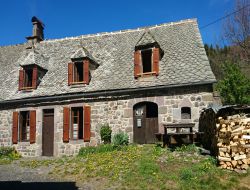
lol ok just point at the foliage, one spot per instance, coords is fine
(8, 154)
(144, 167)
(99, 149)
(235, 87)
(187, 148)
(106, 133)
(120, 139)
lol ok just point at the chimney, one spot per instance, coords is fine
(37, 32)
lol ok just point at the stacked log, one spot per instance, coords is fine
(233, 142)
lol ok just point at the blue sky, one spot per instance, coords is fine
(65, 18)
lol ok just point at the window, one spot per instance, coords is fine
(77, 123)
(24, 126)
(28, 73)
(185, 113)
(30, 76)
(146, 62)
(78, 72)
(146, 56)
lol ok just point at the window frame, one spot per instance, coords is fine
(155, 61)
(72, 71)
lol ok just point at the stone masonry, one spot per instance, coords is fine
(117, 113)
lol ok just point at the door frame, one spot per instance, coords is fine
(146, 119)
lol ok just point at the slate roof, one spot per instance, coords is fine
(184, 60)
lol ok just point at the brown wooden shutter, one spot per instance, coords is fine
(156, 59)
(15, 128)
(32, 126)
(34, 78)
(70, 73)
(21, 79)
(137, 63)
(87, 113)
(66, 116)
(86, 71)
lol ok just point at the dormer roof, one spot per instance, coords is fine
(83, 53)
(34, 58)
(146, 39)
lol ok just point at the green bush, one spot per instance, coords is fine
(8, 154)
(120, 139)
(6, 151)
(106, 134)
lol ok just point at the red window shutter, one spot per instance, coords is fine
(137, 63)
(86, 71)
(15, 128)
(70, 73)
(21, 79)
(66, 112)
(34, 77)
(156, 59)
(87, 113)
(32, 126)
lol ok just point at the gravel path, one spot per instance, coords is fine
(14, 176)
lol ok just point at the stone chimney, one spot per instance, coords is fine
(37, 32)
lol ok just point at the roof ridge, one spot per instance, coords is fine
(13, 45)
(122, 31)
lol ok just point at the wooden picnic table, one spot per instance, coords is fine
(180, 131)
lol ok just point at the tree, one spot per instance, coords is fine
(236, 30)
(235, 87)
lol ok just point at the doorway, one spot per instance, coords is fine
(48, 132)
(145, 122)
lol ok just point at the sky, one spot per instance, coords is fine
(68, 18)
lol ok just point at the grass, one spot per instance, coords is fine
(7, 155)
(143, 167)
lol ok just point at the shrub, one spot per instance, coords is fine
(120, 139)
(106, 134)
(6, 151)
(9, 153)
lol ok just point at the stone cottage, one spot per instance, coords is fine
(56, 94)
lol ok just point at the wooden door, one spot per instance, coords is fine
(151, 129)
(48, 133)
(139, 124)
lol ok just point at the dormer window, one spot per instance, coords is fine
(146, 62)
(147, 56)
(30, 77)
(78, 72)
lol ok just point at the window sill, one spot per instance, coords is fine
(148, 74)
(77, 84)
(76, 141)
(27, 89)
(23, 143)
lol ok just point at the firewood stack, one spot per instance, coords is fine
(233, 142)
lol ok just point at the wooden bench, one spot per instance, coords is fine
(178, 132)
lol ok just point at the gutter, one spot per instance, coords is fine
(105, 93)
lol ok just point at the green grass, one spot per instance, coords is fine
(143, 167)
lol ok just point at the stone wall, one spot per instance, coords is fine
(117, 113)
(5, 128)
